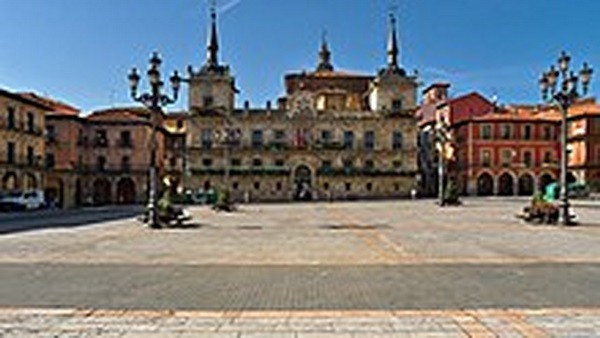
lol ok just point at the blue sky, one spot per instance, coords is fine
(80, 51)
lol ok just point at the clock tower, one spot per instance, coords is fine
(213, 86)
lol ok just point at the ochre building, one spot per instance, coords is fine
(333, 135)
(21, 143)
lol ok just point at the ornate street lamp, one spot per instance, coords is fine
(154, 100)
(564, 98)
(228, 137)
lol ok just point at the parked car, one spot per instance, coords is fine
(18, 200)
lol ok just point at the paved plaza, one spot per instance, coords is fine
(381, 269)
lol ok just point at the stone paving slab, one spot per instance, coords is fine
(19, 322)
(388, 232)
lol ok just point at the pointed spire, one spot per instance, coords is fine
(324, 55)
(393, 66)
(392, 49)
(212, 60)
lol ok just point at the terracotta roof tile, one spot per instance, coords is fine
(57, 107)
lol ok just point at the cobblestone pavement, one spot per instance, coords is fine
(401, 232)
(376, 269)
(314, 324)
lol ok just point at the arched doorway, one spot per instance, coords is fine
(102, 191)
(9, 182)
(303, 181)
(29, 182)
(506, 185)
(54, 194)
(78, 193)
(126, 191)
(485, 185)
(526, 185)
(545, 179)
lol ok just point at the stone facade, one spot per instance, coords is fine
(334, 135)
(22, 124)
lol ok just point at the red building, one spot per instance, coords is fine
(507, 151)
(497, 150)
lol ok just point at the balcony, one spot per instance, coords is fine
(241, 171)
(112, 169)
(364, 171)
(37, 164)
(100, 143)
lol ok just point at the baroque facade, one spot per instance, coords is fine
(334, 135)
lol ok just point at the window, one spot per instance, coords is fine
(236, 162)
(279, 135)
(30, 156)
(486, 158)
(126, 163)
(173, 162)
(207, 162)
(326, 136)
(278, 186)
(369, 165)
(397, 186)
(208, 101)
(527, 132)
(507, 155)
(348, 139)
(30, 122)
(235, 185)
(101, 163)
(527, 159)
(179, 124)
(506, 132)
(547, 134)
(101, 140)
(10, 118)
(348, 163)
(397, 140)
(206, 138)
(369, 186)
(257, 162)
(348, 186)
(596, 127)
(257, 185)
(326, 185)
(50, 163)
(257, 139)
(486, 132)
(207, 185)
(81, 138)
(548, 157)
(396, 106)
(50, 133)
(326, 165)
(279, 162)
(397, 164)
(369, 140)
(126, 139)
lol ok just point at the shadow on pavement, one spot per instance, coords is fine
(48, 219)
